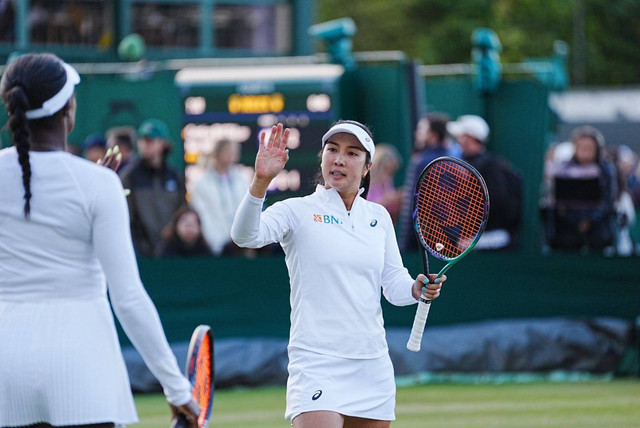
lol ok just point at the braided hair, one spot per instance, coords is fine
(27, 83)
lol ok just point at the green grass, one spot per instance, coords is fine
(545, 404)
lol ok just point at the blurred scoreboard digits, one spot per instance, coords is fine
(237, 103)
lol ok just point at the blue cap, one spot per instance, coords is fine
(95, 140)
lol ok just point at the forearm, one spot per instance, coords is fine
(246, 223)
(259, 187)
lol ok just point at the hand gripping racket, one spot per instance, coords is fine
(451, 208)
(199, 370)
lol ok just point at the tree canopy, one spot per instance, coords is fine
(603, 35)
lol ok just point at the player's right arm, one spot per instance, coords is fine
(250, 227)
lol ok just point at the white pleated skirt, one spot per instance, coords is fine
(61, 363)
(363, 388)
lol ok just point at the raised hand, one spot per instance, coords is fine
(112, 159)
(270, 160)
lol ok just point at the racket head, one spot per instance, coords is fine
(199, 369)
(451, 208)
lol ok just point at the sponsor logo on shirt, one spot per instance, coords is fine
(373, 223)
(326, 219)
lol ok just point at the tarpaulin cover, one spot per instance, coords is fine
(507, 346)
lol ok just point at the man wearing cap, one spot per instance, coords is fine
(125, 138)
(94, 147)
(431, 141)
(503, 182)
(157, 190)
(342, 254)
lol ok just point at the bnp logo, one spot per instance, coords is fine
(327, 219)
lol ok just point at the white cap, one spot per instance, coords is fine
(471, 125)
(55, 103)
(352, 129)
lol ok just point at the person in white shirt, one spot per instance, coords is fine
(64, 243)
(341, 251)
(218, 193)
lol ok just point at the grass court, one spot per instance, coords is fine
(599, 404)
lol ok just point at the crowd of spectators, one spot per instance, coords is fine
(590, 195)
(589, 198)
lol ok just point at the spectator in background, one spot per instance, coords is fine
(218, 193)
(124, 137)
(382, 189)
(94, 147)
(157, 190)
(580, 196)
(183, 236)
(431, 141)
(504, 183)
(624, 160)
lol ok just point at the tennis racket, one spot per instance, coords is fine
(451, 209)
(199, 370)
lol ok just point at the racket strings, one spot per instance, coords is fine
(450, 208)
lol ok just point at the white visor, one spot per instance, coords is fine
(352, 129)
(55, 103)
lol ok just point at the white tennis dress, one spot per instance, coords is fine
(60, 360)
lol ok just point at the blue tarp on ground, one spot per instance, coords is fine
(594, 346)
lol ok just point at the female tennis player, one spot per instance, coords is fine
(341, 251)
(65, 243)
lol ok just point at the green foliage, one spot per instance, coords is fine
(439, 31)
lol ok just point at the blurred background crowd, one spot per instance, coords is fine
(182, 202)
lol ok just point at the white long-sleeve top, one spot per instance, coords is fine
(338, 263)
(216, 197)
(59, 264)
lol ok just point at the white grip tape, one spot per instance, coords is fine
(418, 326)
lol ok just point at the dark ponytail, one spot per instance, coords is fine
(17, 105)
(366, 180)
(26, 84)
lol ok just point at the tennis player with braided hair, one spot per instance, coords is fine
(65, 242)
(341, 252)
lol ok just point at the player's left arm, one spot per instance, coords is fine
(131, 303)
(398, 287)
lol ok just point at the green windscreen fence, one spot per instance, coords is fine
(250, 297)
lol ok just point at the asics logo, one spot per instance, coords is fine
(316, 395)
(373, 223)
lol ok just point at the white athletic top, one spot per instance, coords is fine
(338, 262)
(60, 360)
(216, 198)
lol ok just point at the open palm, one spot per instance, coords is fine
(272, 155)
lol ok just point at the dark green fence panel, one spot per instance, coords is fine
(250, 298)
(381, 95)
(113, 100)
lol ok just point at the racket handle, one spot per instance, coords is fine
(418, 325)
(180, 422)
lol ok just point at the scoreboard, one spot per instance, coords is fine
(237, 103)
